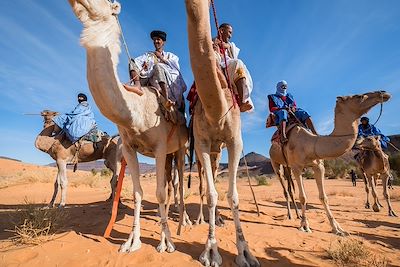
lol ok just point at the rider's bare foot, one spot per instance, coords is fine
(245, 106)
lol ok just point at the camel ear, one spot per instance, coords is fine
(363, 98)
(116, 8)
(378, 137)
(341, 98)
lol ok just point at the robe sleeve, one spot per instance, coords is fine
(173, 61)
(272, 105)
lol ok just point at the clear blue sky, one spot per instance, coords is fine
(323, 48)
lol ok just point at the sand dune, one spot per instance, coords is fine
(274, 240)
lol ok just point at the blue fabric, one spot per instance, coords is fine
(279, 90)
(282, 115)
(78, 122)
(279, 103)
(371, 130)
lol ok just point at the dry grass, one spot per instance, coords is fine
(35, 225)
(87, 180)
(395, 195)
(353, 252)
(341, 194)
(262, 180)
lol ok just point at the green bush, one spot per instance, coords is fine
(336, 168)
(94, 172)
(308, 173)
(262, 180)
(105, 172)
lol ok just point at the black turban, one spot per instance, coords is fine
(364, 119)
(82, 97)
(162, 35)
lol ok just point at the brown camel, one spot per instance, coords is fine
(305, 149)
(216, 120)
(374, 163)
(138, 116)
(63, 151)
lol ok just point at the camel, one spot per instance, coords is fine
(63, 151)
(138, 116)
(374, 163)
(305, 149)
(216, 120)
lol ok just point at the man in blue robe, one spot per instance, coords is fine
(78, 122)
(365, 129)
(281, 104)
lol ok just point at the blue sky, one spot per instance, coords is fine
(322, 48)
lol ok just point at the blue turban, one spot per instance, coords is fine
(279, 88)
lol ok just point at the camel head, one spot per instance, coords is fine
(91, 11)
(369, 143)
(357, 105)
(48, 116)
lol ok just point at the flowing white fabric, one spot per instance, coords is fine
(174, 79)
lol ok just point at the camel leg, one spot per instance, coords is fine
(180, 165)
(166, 243)
(304, 225)
(365, 179)
(244, 258)
(290, 187)
(278, 171)
(175, 183)
(62, 168)
(215, 158)
(200, 217)
(376, 207)
(133, 243)
(56, 184)
(319, 171)
(115, 168)
(168, 177)
(386, 194)
(210, 256)
(376, 183)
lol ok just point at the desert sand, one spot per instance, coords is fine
(273, 239)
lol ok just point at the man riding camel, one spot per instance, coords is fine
(238, 74)
(78, 122)
(160, 69)
(365, 129)
(281, 104)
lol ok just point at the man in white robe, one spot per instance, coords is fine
(239, 76)
(161, 70)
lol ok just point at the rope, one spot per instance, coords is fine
(223, 50)
(381, 110)
(114, 210)
(251, 187)
(396, 148)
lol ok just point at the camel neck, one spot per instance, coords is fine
(340, 140)
(102, 43)
(203, 61)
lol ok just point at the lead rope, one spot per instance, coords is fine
(381, 110)
(251, 187)
(223, 50)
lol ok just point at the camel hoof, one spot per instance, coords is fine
(376, 208)
(392, 214)
(210, 256)
(246, 259)
(61, 206)
(367, 206)
(341, 233)
(128, 247)
(199, 221)
(166, 246)
(186, 220)
(305, 229)
(219, 221)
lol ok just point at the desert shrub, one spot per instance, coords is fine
(395, 166)
(336, 168)
(262, 180)
(35, 225)
(353, 252)
(308, 173)
(105, 172)
(93, 171)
